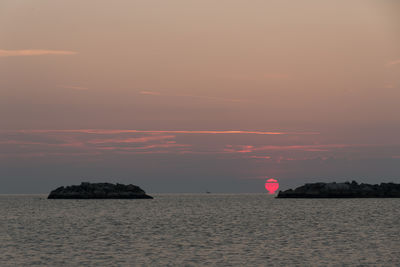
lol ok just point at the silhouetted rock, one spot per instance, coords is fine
(99, 190)
(342, 190)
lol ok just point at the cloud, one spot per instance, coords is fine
(260, 157)
(34, 52)
(306, 148)
(74, 87)
(149, 93)
(260, 77)
(166, 145)
(239, 149)
(47, 154)
(72, 143)
(212, 98)
(120, 131)
(389, 86)
(267, 148)
(393, 63)
(144, 139)
(153, 93)
(101, 142)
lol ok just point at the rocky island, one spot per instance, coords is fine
(99, 191)
(343, 190)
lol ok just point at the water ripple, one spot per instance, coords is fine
(194, 229)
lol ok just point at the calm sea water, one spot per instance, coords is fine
(194, 229)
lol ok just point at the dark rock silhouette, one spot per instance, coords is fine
(342, 190)
(99, 191)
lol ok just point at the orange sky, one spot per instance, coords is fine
(161, 85)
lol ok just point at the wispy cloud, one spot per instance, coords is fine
(144, 139)
(120, 131)
(260, 77)
(389, 86)
(212, 98)
(392, 63)
(75, 141)
(166, 145)
(260, 157)
(307, 148)
(149, 93)
(224, 99)
(74, 87)
(267, 147)
(34, 52)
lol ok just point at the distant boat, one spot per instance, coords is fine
(208, 192)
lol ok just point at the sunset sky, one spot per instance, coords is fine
(190, 96)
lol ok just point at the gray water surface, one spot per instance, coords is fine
(199, 229)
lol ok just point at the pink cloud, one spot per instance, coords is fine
(120, 131)
(144, 139)
(29, 143)
(260, 157)
(241, 149)
(162, 146)
(143, 152)
(149, 93)
(166, 145)
(107, 142)
(18, 142)
(51, 142)
(308, 148)
(70, 143)
(393, 63)
(44, 154)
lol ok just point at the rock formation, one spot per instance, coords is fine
(98, 190)
(342, 190)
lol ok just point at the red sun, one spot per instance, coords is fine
(271, 185)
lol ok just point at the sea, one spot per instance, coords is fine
(199, 230)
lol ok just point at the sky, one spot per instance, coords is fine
(193, 96)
